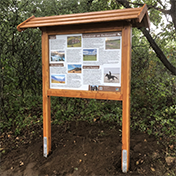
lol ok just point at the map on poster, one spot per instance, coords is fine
(86, 61)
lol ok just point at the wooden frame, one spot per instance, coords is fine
(123, 96)
(93, 22)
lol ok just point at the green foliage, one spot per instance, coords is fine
(153, 89)
(23, 112)
(85, 109)
(20, 68)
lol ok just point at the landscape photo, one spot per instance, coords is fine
(74, 68)
(59, 79)
(112, 43)
(57, 56)
(111, 75)
(74, 41)
(89, 54)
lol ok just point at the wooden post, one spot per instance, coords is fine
(126, 77)
(46, 98)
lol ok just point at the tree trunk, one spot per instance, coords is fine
(158, 51)
(173, 12)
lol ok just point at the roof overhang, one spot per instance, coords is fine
(138, 17)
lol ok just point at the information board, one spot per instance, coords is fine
(90, 61)
(83, 57)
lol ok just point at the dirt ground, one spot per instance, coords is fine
(82, 148)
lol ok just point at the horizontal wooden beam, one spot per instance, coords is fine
(91, 14)
(77, 21)
(119, 16)
(85, 94)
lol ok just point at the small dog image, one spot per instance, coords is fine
(94, 88)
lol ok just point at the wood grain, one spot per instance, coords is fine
(23, 23)
(46, 98)
(85, 94)
(126, 77)
(90, 14)
(141, 13)
(114, 16)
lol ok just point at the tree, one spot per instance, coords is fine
(156, 9)
(157, 5)
(20, 57)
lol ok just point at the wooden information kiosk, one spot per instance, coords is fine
(88, 55)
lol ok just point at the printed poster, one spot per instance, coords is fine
(86, 61)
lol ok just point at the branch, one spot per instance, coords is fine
(158, 51)
(173, 12)
(127, 4)
(166, 12)
(152, 42)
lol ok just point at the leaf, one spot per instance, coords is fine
(21, 163)
(171, 147)
(169, 160)
(152, 169)
(137, 162)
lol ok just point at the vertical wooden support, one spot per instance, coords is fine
(46, 99)
(126, 77)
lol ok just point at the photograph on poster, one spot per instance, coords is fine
(58, 79)
(94, 88)
(57, 56)
(73, 41)
(89, 54)
(111, 75)
(112, 43)
(74, 68)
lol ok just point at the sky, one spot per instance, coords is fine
(113, 70)
(72, 66)
(90, 51)
(57, 52)
(59, 76)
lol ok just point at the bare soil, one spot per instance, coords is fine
(82, 148)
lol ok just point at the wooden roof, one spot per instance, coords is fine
(138, 17)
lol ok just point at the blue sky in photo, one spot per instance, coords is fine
(113, 70)
(72, 66)
(58, 77)
(89, 51)
(57, 52)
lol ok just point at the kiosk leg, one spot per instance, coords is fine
(46, 98)
(47, 128)
(126, 71)
(125, 139)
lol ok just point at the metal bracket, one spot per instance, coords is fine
(45, 147)
(124, 161)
